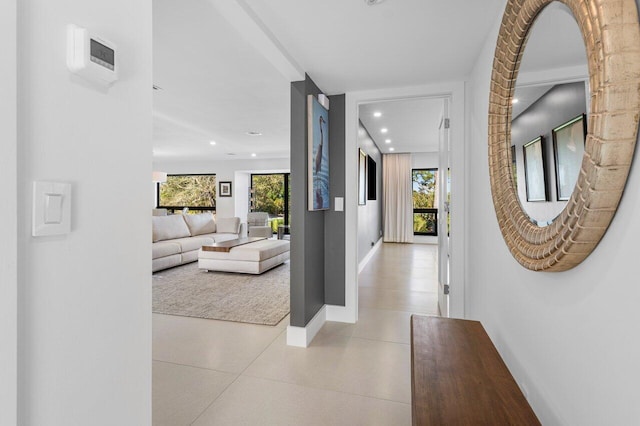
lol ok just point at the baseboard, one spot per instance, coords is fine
(369, 255)
(302, 336)
(340, 314)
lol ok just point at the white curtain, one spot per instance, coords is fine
(397, 197)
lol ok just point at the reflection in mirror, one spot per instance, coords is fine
(549, 110)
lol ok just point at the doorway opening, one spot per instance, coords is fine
(447, 155)
(406, 136)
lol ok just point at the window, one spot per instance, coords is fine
(196, 192)
(271, 193)
(425, 201)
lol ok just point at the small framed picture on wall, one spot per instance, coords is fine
(362, 177)
(225, 189)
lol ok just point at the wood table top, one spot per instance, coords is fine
(226, 246)
(459, 378)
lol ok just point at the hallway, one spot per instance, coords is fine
(209, 372)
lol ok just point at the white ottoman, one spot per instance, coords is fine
(252, 258)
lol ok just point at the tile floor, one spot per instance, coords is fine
(209, 372)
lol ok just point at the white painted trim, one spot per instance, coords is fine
(454, 91)
(339, 314)
(555, 76)
(369, 255)
(9, 223)
(302, 336)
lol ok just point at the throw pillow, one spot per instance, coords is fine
(200, 223)
(169, 227)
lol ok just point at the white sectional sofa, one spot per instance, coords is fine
(177, 238)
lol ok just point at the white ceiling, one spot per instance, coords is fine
(346, 45)
(225, 66)
(554, 41)
(412, 124)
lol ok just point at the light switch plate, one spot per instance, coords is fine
(51, 208)
(339, 206)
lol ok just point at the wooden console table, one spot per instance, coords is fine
(458, 377)
(226, 246)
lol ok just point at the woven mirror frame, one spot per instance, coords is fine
(611, 34)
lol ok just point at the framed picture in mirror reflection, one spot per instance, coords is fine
(535, 170)
(568, 150)
(514, 166)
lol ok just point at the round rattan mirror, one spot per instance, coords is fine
(612, 37)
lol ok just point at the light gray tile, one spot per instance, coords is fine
(398, 300)
(284, 323)
(181, 393)
(337, 328)
(254, 401)
(425, 283)
(352, 365)
(383, 325)
(216, 345)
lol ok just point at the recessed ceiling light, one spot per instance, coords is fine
(392, 149)
(514, 101)
(253, 154)
(384, 130)
(377, 114)
(212, 142)
(254, 133)
(387, 141)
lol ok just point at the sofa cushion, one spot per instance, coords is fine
(228, 225)
(166, 262)
(200, 223)
(192, 243)
(169, 227)
(164, 248)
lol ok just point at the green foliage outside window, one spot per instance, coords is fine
(424, 197)
(424, 223)
(188, 191)
(424, 188)
(268, 194)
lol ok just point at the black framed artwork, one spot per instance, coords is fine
(362, 177)
(225, 189)
(535, 170)
(372, 179)
(568, 150)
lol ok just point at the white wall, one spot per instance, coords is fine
(8, 224)
(370, 214)
(570, 338)
(425, 160)
(228, 171)
(85, 297)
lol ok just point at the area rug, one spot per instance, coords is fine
(191, 292)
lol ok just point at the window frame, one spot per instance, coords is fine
(425, 210)
(172, 209)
